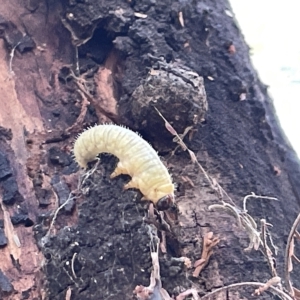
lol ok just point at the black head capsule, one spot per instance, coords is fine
(165, 202)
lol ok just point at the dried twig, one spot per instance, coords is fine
(230, 209)
(72, 195)
(289, 251)
(84, 105)
(72, 265)
(252, 195)
(155, 289)
(142, 292)
(209, 242)
(178, 139)
(245, 221)
(12, 54)
(70, 198)
(241, 284)
(296, 258)
(266, 250)
(87, 174)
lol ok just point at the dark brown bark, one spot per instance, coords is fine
(65, 65)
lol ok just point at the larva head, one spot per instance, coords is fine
(161, 195)
(165, 202)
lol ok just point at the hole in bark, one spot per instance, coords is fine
(97, 48)
(48, 256)
(28, 223)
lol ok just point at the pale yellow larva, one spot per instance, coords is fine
(136, 158)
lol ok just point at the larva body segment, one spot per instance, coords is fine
(136, 158)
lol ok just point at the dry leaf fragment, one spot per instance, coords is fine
(170, 128)
(153, 72)
(209, 242)
(188, 180)
(40, 48)
(291, 253)
(181, 20)
(273, 281)
(296, 293)
(188, 292)
(243, 96)
(140, 15)
(193, 156)
(68, 294)
(163, 243)
(187, 262)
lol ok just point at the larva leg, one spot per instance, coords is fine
(118, 170)
(132, 184)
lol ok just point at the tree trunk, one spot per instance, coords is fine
(67, 65)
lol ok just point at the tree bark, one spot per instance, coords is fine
(67, 65)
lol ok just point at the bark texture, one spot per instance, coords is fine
(66, 65)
